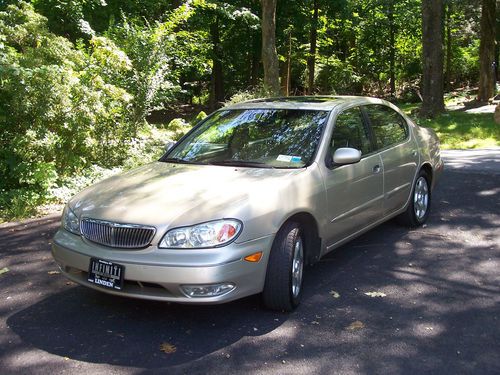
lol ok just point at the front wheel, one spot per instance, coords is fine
(420, 204)
(283, 286)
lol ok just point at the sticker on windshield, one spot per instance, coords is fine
(289, 158)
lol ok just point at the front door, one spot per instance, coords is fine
(354, 192)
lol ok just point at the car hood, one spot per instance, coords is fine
(165, 194)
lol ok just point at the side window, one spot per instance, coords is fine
(388, 126)
(350, 131)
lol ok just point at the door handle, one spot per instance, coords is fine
(376, 169)
(414, 152)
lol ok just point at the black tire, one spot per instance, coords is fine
(283, 286)
(419, 206)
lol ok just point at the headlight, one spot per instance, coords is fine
(69, 221)
(210, 234)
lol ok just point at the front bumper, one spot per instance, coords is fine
(157, 274)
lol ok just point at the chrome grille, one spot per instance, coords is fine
(128, 236)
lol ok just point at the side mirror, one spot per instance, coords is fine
(169, 146)
(346, 155)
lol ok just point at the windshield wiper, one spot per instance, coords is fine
(240, 163)
(178, 160)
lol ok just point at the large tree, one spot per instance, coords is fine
(433, 57)
(269, 53)
(487, 51)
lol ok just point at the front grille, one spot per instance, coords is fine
(128, 236)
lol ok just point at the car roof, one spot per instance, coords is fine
(325, 103)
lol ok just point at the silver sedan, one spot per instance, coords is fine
(249, 197)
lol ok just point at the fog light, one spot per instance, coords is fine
(213, 290)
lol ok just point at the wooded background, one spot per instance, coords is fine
(81, 81)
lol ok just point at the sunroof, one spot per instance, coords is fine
(299, 99)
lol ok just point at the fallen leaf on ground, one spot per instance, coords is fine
(334, 294)
(168, 348)
(375, 294)
(355, 325)
(4, 270)
(53, 272)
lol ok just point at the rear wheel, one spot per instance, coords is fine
(283, 286)
(420, 204)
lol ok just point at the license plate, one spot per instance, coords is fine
(106, 274)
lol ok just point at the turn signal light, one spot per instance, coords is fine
(255, 257)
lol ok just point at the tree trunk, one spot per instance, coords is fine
(447, 73)
(217, 79)
(311, 59)
(289, 65)
(254, 76)
(487, 51)
(269, 53)
(432, 40)
(392, 49)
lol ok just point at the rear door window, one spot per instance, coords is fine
(388, 126)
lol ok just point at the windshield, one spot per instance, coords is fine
(268, 138)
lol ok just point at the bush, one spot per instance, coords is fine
(338, 77)
(178, 127)
(19, 203)
(199, 117)
(60, 112)
(243, 96)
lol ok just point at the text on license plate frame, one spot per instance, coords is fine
(106, 274)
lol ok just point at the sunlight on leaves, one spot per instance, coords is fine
(355, 325)
(334, 294)
(168, 348)
(375, 294)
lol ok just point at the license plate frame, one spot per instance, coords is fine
(106, 274)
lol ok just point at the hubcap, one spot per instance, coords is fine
(421, 198)
(297, 267)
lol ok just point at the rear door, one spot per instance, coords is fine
(398, 152)
(355, 191)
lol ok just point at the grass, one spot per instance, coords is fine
(457, 129)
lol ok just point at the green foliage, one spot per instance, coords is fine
(199, 117)
(461, 130)
(465, 66)
(57, 114)
(67, 17)
(338, 77)
(178, 127)
(241, 96)
(154, 51)
(19, 203)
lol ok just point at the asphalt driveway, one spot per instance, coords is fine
(393, 301)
